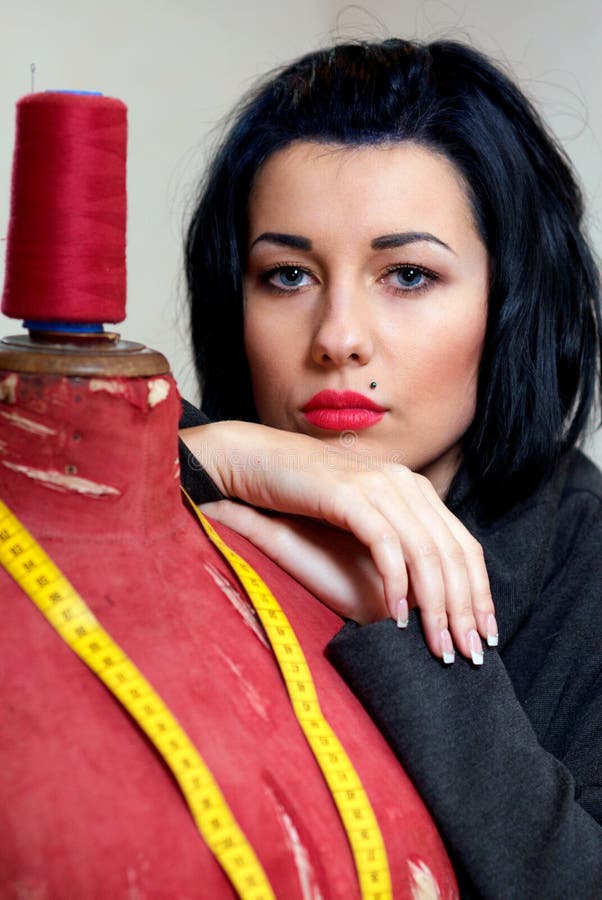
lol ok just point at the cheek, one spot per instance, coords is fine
(276, 338)
(459, 360)
(460, 369)
(267, 354)
(255, 344)
(448, 366)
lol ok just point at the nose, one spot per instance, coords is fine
(343, 335)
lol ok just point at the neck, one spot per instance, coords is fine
(90, 457)
(443, 470)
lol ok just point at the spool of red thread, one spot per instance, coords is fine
(65, 259)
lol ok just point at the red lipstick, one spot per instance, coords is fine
(342, 411)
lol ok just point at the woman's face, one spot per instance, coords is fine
(365, 267)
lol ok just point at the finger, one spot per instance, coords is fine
(437, 540)
(480, 591)
(438, 572)
(350, 507)
(388, 523)
(458, 594)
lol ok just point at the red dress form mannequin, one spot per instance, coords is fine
(89, 810)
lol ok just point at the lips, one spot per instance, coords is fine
(342, 410)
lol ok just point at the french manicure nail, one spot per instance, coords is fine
(402, 613)
(492, 633)
(447, 648)
(476, 648)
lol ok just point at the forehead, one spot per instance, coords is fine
(308, 186)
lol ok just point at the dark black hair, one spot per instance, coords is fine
(540, 367)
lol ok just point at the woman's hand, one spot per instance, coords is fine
(423, 555)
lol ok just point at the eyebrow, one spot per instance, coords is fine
(384, 242)
(297, 241)
(407, 237)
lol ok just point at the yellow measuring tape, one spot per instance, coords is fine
(352, 802)
(67, 612)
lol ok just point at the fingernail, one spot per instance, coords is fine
(447, 647)
(492, 632)
(476, 648)
(402, 613)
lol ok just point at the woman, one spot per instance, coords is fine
(393, 297)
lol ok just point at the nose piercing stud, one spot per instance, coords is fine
(372, 385)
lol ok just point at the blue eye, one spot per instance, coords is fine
(290, 277)
(287, 278)
(409, 277)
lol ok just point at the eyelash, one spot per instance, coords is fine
(429, 277)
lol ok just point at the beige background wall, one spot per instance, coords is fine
(180, 65)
